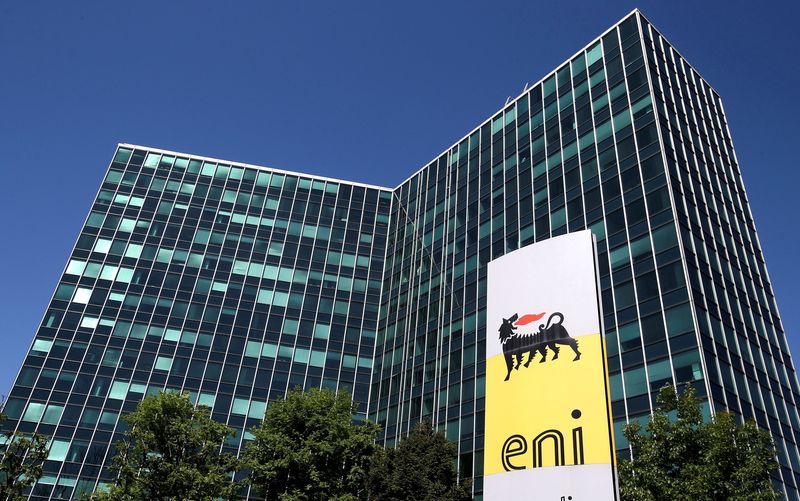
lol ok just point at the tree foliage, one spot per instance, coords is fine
(21, 464)
(171, 451)
(308, 447)
(682, 457)
(420, 468)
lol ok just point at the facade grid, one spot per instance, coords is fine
(237, 282)
(231, 283)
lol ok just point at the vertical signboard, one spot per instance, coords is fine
(548, 414)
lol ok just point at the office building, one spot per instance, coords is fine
(235, 282)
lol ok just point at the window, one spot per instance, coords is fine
(679, 320)
(119, 390)
(75, 267)
(41, 347)
(257, 409)
(134, 251)
(92, 270)
(102, 246)
(52, 414)
(317, 358)
(269, 350)
(89, 418)
(322, 331)
(152, 160)
(664, 238)
(64, 292)
(89, 322)
(109, 272)
(206, 399)
(635, 382)
(82, 295)
(240, 406)
(78, 451)
(253, 349)
(58, 450)
(659, 374)
(125, 275)
(34, 412)
(172, 335)
(127, 225)
(163, 363)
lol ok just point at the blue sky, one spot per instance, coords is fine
(362, 91)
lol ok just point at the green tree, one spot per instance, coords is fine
(21, 464)
(171, 451)
(420, 468)
(309, 448)
(682, 457)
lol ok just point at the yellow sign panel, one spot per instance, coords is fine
(548, 413)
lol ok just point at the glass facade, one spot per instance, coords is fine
(231, 282)
(236, 282)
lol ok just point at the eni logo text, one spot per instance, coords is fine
(547, 444)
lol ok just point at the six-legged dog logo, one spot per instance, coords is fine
(516, 344)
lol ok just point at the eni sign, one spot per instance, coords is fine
(548, 413)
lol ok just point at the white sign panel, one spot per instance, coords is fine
(548, 414)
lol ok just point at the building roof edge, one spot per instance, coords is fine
(254, 166)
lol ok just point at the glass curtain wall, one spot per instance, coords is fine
(230, 282)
